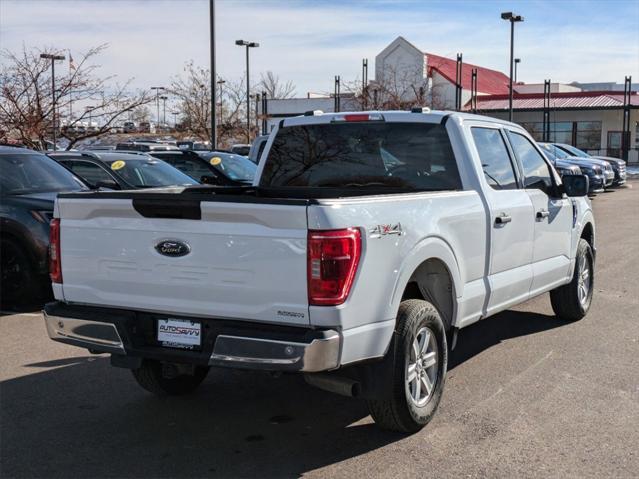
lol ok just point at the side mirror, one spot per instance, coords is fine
(110, 184)
(209, 180)
(575, 185)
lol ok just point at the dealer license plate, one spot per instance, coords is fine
(179, 333)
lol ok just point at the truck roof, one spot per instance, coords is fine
(425, 116)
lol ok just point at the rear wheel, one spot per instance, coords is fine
(16, 273)
(169, 379)
(572, 301)
(419, 369)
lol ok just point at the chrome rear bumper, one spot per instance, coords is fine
(92, 335)
(242, 352)
(313, 354)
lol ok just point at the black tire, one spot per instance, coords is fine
(565, 300)
(397, 411)
(17, 277)
(151, 376)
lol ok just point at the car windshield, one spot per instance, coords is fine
(575, 151)
(235, 167)
(143, 173)
(411, 156)
(23, 174)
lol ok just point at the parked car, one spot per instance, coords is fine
(29, 183)
(370, 240)
(593, 169)
(130, 127)
(257, 148)
(608, 172)
(241, 149)
(213, 169)
(121, 170)
(194, 145)
(146, 127)
(145, 146)
(618, 165)
(237, 167)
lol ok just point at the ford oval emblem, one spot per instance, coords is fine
(173, 248)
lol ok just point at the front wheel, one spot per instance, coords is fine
(420, 356)
(168, 380)
(572, 301)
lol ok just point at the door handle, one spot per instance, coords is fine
(502, 219)
(541, 214)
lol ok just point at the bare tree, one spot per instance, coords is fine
(26, 104)
(274, 88)
(193, 92)
(396, 89)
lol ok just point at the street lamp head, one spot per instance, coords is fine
(50, 56)
(510, 16)
(221, 82)
(253, 45)
(241, 43)
(517, 60)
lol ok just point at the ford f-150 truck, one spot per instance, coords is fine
(366, 241)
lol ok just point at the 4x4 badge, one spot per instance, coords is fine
(383, 230)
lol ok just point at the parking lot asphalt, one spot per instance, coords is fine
(526, 396)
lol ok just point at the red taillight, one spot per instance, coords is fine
(333, 256)
(55, 266)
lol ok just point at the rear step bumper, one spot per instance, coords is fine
(227, 343)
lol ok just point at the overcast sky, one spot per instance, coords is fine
(308, 42)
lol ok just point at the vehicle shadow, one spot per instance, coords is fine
(9, 309)
(84, 418)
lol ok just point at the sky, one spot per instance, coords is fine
(308, 42)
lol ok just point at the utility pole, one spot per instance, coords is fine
(53, 58)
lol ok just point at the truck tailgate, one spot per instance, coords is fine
(246, 260)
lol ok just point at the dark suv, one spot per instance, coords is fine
(29, 183)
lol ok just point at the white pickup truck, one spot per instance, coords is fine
(365, 243)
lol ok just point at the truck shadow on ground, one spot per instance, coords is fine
(83, 418)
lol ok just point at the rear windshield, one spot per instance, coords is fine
(411, 156)
(23, 174)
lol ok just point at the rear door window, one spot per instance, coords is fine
(494, 157)
(406, 156)
(87, 170)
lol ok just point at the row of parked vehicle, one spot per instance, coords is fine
(602, 171)
(30, 182)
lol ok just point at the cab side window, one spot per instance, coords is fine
(536, 171)
(495, 160)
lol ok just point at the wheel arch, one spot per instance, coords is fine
(431, 273)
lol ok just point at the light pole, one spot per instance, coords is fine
(517, 61)
(89, 109)
(163, 98)
(157, 99)
(512, 18)
(175, 114)
(213, 72)
(53, 58)
(244, 43)
(221, 83)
